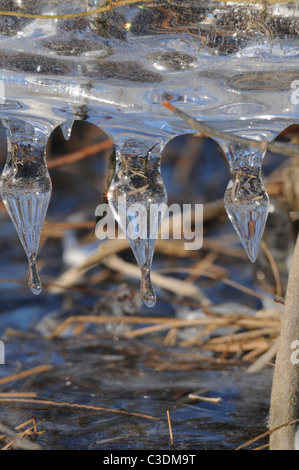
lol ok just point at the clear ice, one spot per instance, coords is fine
(25, 187)
(246, 200)
(137, 197)
(66, 128)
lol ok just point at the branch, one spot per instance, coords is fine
(110, 5)
(285, 397)
(289, 150)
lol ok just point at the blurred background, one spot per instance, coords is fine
(114, 364)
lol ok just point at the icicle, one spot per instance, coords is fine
(246, 201)
(66, 128)
(25, 187)
(138, 198)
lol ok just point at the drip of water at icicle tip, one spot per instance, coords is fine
(136, 195)
(25, 186)
(66, 128)
(246, 200)
(146, 287)
(34, 281)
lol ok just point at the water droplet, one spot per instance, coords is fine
(138, 198)
(25, 187)
(147, 291)
(34, 281)
(246, 200)
(66, 128)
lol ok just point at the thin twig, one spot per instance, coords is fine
(170, 429)
(193, 396)
(289, 150)
(265, 446)
(27, 432)
(171, 284)
(17, 394)
(19, 441)
(77, 406)
(267, 433)
(110, 5)
(80, 154)
(263, 360)
(26, 373)
(165, 323)
(274, 268)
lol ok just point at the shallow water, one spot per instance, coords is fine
(112, 374)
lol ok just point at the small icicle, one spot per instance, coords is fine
(25, 187)
(246, 200)
(34, 281)
(147, 291)
(138, 199)
(66, 128)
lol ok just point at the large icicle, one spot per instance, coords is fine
(25, 186)
(138, 199)
(246, 200)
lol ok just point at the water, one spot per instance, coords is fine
(119, 377)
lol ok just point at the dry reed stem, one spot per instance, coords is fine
(267, 433)
(29, 421)
(80, 154)
(263, 360)
(76, 406)
(176, 286)
(26, 373)
(19, 441)
(26, 433)
(274, 268)
(199, 267)
(249, 357)
(17, 394)
(218, 278)
(170, 338)
(193, 396)
(237, 346)
(289, 150)
(265, 446)
(110, 5)
(195, 339)
(165, 323)
(170, 429)
(244, 335)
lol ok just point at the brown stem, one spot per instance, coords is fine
(285, 388)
